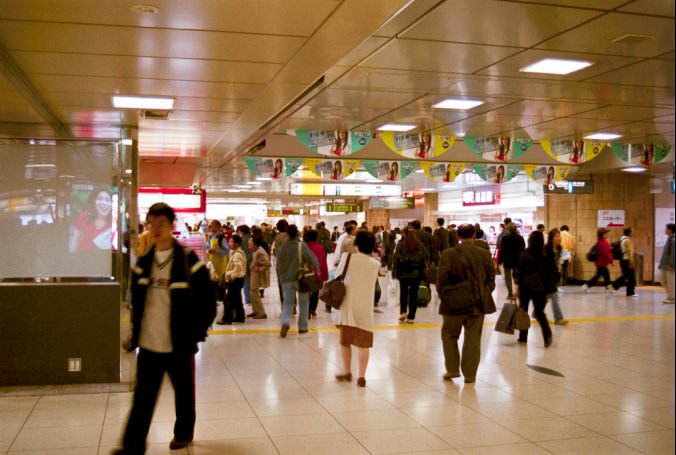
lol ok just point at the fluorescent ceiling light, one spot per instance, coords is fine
(264, 179)
(635, 169)
(254, 183)
(457, 104)
(419, 171)
(427, 189)
(603, 136)
(396, 127)
(142, 102)
(374, 181)
(127, 141)
(556, 66)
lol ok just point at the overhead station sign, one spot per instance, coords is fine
(394, 203)
(345, 208)
(570, 187)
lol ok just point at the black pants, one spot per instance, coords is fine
(233, 302)
(600, 272)
(539, 302)
(314, 301)
(151, 367)
(627, 277)
(408, 296)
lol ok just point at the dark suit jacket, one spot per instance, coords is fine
(483, 245)
(480, 261)
(427, 241)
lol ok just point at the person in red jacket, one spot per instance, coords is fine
(603, 260)
(310, 237)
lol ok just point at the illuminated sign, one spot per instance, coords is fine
(344, 189)
(570, 187)
(486, 197)
(391, 203)
(346, 208)
(181, 200)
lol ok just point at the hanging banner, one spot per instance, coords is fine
(641, 154)
(274, 168)
(333, 169)
(443, 172)
(569, 150)
(393, 171)
(418, 146)
(497, 173)
(546, 174)
(332, 143)
(501, 149)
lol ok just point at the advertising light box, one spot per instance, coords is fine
(344, 189)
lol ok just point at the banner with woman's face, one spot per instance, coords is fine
(497, 173)
(333, 169)
(546, 174)
(572, 150)
(392, 171)
(497, 148)
(442, 172)
(419, 146)
(274, 168)
(641, 154)
(333, 143)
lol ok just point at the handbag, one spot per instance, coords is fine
(521, 319)
(505, 322)
(333, 292)
(308, 281)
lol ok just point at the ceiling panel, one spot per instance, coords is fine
(627, 113)
(596, 36)
(586, 4)
(648, 73)
(145, 67)
(660, 8)
(397, 80)
(448, 23)
(104, 116)
(436, 56)
(290, 17)
(147, 42)
(574, 126)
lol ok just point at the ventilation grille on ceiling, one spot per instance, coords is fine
(632, 38)
(154, 114)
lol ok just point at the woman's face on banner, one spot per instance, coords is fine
(103, 203)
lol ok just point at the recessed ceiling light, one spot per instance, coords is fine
(419, 171)
(254, 183)
(452, 103)
(556, 66)
(459, 134)
(145, 9)
(264, 179)
(243, 186)
(603, 136)
(142, 102)
(635, 169)
(396, 127)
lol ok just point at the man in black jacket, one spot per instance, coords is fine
(173, 306)
(511, 246)
(440, 238)
(424, 237)
(465, 281)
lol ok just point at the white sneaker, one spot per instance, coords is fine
(402, 317)
(668, 301)
(610, 289)
(633, 296)
(409, 321)
(585, 288)
(561, 290)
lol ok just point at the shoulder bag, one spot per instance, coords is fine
(307, 279)
(333, 292)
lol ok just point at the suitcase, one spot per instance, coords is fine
(424, 295)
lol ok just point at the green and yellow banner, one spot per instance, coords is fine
(417, 146)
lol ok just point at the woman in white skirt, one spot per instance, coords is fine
(355, 317)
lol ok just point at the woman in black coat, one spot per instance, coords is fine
(409, 268)
(535, 279)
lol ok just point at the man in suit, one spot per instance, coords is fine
(478, 241)
(440, 238)
(464, 306)
(424, 237)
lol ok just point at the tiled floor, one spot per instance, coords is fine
(259, 394)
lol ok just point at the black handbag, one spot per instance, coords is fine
(308, 281)
(333, 292)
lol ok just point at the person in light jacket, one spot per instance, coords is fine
(355, 317)
(234, 279)
(259, 276)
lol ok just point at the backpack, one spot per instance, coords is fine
(325, 242)
(592, 254)
(617, 249)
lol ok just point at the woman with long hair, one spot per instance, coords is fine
(337, 171)
(409, 268)
(94, 226)
(534, 277)
(425, 146)
(341, 146)
(394, 172)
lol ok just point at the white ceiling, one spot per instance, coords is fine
(240, 71)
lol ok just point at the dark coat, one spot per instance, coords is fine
(409, 265)
(510, 248)
(536, 273)
(427, 241)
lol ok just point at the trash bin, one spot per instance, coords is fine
(638, 268)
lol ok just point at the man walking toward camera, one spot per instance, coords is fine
(173, 305)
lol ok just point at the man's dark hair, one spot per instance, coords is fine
(236, 238)
(353, 223)
(465, 231)
(540, 227)
(564, 228)
(452, 226)
(479, 233)
(258, 240)
(216, 223)
(507, 221)
(292, 231)
(427, 229)
(282, 225)
(416, 224)
(162, 209)
(346, 224)
(440, 221)
(310, 236)
(671, 227)
(365, 242)
(350, 228)
(244, 229)
(628, 231)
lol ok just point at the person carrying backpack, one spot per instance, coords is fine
(628, 276)
(604, 258)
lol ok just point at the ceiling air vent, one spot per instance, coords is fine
(632, 38)
(154, 114)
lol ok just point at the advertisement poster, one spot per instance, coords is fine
(442, 172)
(392, 171)
(497, 148)
(333, 143)
(333, 169)
(641, 154)
(546, 174)
(570, 150)
(418, 146)
(611, 218)
(274, 168)
(497, 173)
